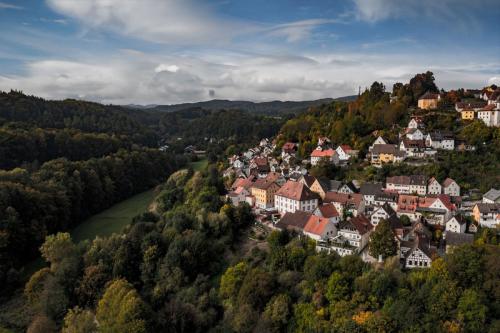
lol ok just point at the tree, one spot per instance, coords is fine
(42, 324)
(121, 309)
(382, 241)
(472, 311)
(78, 320)
(337, 288)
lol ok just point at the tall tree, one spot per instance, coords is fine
(382, 241)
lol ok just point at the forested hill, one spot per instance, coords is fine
(268, 108)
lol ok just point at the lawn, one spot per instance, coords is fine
(199, 165)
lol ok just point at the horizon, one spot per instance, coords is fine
(168, 52)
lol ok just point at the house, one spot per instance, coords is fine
(474, 106)
(328, 155)
(348, 188)
(345, 152)
(323, 141)
(346, 203)
(244, 182)
(429, 101)
(382, 213)
(492, 196)
(378, 141)
(319, 228)
(386, 153)
(238, 195)
(321, 185)
(433, 186)
(489, 115)
(356, 231)
(327, 211)
(386, 197)
(468, 114)
(487, 214)
(451, 188)
(454, 239)
(414, 134)
(264, 190)
(456, 224)
(440, 140)
(295, 196)
(295, 221)
(416, 122)
(417, 253)
(413, 148)
(407, 205)
(436, 210)
(396, 227)
(289, 148)
(369, 191)
(407, 184)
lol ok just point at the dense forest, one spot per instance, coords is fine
(179, 269)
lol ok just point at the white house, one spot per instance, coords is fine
(344, 152)
(294, 196)
(355, 231)
(319, 228)
(382, 213)
(487, 214)
(451, 188)
(369, 191)
(378, 141)
(414, 134)
(327, 211)
(417, 254)
(456, 224)
(328, 155)
(492, 196)
(440, 140)
(238, 195)
(433, 186)
(407, 184)
(415, 123)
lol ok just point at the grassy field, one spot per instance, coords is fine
(113, 219)
(199, 165)
(105, 223)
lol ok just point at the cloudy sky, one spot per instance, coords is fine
(172, 51)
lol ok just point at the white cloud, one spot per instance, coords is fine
(135, 77)
(494, 80)
(377, 10)
(5, 5)
(298, 30)
(165, 21)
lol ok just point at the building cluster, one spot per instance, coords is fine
(414, 143)
(487, 110)
(325, 152)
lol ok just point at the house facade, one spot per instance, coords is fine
(263, 190)
(293, 196)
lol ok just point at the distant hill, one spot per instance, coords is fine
(273, 107)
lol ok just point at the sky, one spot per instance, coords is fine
(174, 51)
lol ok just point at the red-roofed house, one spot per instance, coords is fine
(328, 155)
(328, 211)
(345, 152)
(319, 228)
(350, 203)
(295, 196)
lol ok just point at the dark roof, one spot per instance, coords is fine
(460, 219)
(408, 180)
(429, 95)
(329, 184)
(328, 210)
(492, 194)
(456, 238)
(384, 149)
(441, 135)
(263, 184)
(371, 188)
(486, 208)
(294, 221)
(395, 222)
(360, 223)
(309, 180)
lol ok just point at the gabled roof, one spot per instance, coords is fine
(441, 135)
(328, 210)
(345, 148)
(359, 223)
(289, 146)
(432, 180)
(492, 194)
(296, 191)
(297, 220)
(488, 208)
(407, 180)
(309, 180)
(330, 184)
(316, 225)
(459, 218)
(243, 182)
(447, 182)
(371, 188)
(263, 184)
(429, 95)
(344, 198)
(457, 238)
(323, 153)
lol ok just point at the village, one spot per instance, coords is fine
(427, 216)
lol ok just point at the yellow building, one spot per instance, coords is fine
(467, 114)
(263, 190)
(386, 158)
(428, 101)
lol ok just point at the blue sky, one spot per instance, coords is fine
(165, 51)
